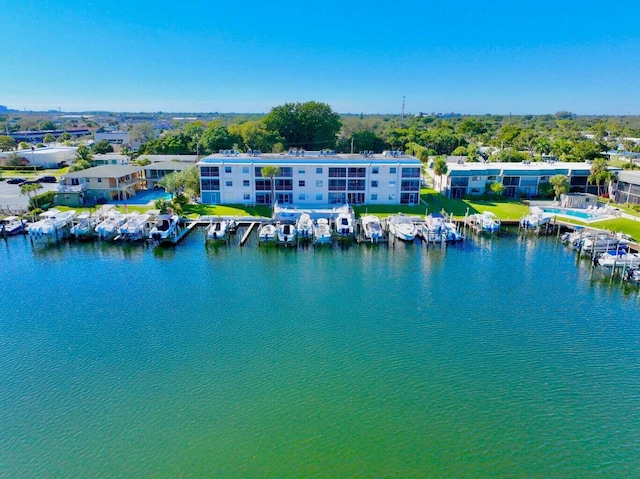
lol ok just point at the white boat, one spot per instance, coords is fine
(135, 228)
(487, 221)
(322, 231)
(166, 229)
(304, 225)
(435, 229)
(619, 260)
(344, 225)
(372, 228)
(633, 275)
(602, 242)
(402, 227)
(537, 217)
(218, 230)
(110, 226)
(52, 225)
(11, 225)
(267, 233)
(286, 233)
(452, 231)
(85, 226)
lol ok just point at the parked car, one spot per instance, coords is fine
(29, 182)
(47, 179)
(16, 181)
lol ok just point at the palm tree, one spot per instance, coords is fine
(560, 184)
(170, 183)
(191, 180)
(271, 172)
(440, 168)
(599, 172)
(28, 189)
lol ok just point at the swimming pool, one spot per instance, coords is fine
(574, 213)
(144, 197)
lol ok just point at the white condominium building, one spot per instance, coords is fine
(310, 178)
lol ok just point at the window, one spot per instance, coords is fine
(99, 180)
(247, 196)
(411, 172)
(301, 172)
(227, 169)
(210, 184)
(359, 172)
(337, 185)
(228, 183)
(374, 197)
(337, 198)
(392, 184)
(246, 183)
(410, 185)
(356, 185)
(375, 170)
(492, 178)
(475, 178)
(319, 171)
(301, 183)
(392, 197)
(209, 171)
(319, 197)
(318, 183)
(245, 169)
(392, 170)
(374, 183)
(263, 184)
(87, 180)
(337, 172)
(284, 185)
(302, 197)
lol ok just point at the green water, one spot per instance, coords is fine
(495, 358)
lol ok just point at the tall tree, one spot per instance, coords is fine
(171, 183)
(102, 146)
(440, 168)
(84, 153)
(560, 184)
(190, 178)
(599, 173)
(141, 133)
(7, 143)
(29, 189)
(216, 137)
(310, 126)
(271, 172)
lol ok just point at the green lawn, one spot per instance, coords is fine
(623, 225)
(193, 210)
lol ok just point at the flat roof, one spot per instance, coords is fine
(313, 158)
(508, 168)
(168, 165)
(104, 171)
(629, 176)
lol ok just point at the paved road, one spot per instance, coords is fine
(12, 200)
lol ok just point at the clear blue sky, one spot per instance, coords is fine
(461, 56)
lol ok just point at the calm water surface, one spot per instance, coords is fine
(496, 358)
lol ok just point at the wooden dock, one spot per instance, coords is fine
(247, 233)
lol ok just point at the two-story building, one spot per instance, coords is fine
(99, 184)
(313, 178)
(519, 179)
(628, 187)
(154, 172)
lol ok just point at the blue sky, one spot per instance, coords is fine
(472, 57)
